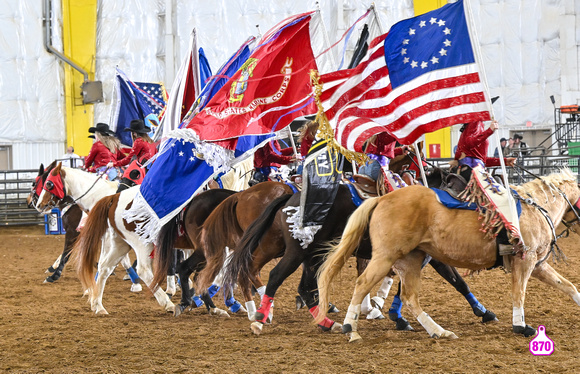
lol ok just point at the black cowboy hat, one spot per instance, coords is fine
(91, 136)
(102, 128)
(138, 126)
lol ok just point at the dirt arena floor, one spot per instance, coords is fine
(50, 327)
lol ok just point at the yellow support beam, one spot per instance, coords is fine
(79, 23)
(438, 142)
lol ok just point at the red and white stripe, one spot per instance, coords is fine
(360, 102)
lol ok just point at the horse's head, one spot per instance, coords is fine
(53, 190)
(38, 183)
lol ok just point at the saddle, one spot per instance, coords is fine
(456, 181)
(365, 186)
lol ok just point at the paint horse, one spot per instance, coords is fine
(410, 223)
(71, 217)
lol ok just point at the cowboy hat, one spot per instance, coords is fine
(102, 128)
(91, 136)
(138, 126)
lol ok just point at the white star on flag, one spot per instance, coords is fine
(424, 65)
(434, 60)
(180, 154)
(414, 64)
(422, 24)
(432, 20)
(447, 31)
(411, 31)
(443, 52)
(447, 43)
(441, 22)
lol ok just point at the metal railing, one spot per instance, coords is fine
(15, 186)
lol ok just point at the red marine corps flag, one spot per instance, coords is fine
(270, 90)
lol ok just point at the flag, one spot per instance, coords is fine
(131, 103)
(155, 95)
(204, 68)
(419, 77)
(184, 91)
(270, 89)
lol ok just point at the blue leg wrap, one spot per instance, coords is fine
(133, 275)
(233, 304)
(197, 301)
(475, 305)
(396, 307)
(212, 290)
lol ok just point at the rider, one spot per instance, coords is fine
(266, 157)
(105, 149)
(143, 149)
(381, 149)
(473, 144)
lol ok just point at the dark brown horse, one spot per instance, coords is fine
(222, 228)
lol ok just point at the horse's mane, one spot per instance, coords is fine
(551, 181)
(74, 171)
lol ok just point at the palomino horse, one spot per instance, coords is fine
(275, 222)
(88, 190)
(72, 213)
(222, 228)
(409, 223)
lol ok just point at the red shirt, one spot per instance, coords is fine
(266, 156)
(141, 150)
(384, 145)
(473, 143)
(99, 155)
(305, 146)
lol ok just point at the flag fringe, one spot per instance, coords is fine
(325, 129)
(219, 158)
(148, 225)
(303, 234)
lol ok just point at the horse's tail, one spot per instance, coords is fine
(88, 245)
(165, 251)
(240, 263)
(353, 232)
(220, 230)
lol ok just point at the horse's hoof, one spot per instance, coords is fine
(136, 287)
(489, 316)
(448, 335)
(218, 312)
(378, 302)
(403, 325)
(101, 312)
(375, 314)
(332, 308)
(299, 303)
(354, 337)
(336, 328)
(256, 327)
(526, 331)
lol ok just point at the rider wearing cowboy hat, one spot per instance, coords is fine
(106, 148)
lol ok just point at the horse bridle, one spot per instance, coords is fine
(49, 186)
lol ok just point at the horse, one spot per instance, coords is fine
(410, 223)
(222, 228)
(71, 217)
(274, 222)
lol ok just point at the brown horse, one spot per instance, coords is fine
(409, 223)
(223, 228)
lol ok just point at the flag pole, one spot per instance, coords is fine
(420, 163)
(292, 141)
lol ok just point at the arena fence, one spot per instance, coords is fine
(15, 186)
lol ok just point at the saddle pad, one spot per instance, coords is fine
(452, 203)
(356, 200)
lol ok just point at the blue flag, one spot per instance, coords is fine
(204, 68)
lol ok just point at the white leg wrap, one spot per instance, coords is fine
(518, 317)
(261, 291)
(576, 298)
(385, 287)
(251, 308)
(433, 329)
(171, 282)
(352, 315)
(57, 262)
(366, 306)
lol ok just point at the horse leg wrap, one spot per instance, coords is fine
(366, 305)
(261, 291)
(433, 329)
(264, 309)
(133, 275)
(326, 323)
(212, 290)
(233, 304)
(197, 301)
(351, 319)
(395, 310)
(478, 308)
(518, 317)
(251, 308)
(385, 288)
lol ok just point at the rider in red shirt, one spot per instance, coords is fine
(266, 157)
(106, 148)
(473, 144)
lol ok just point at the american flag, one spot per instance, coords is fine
(419, 77)
(155, 94)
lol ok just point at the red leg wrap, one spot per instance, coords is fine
(326, 322)
(264, 308)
